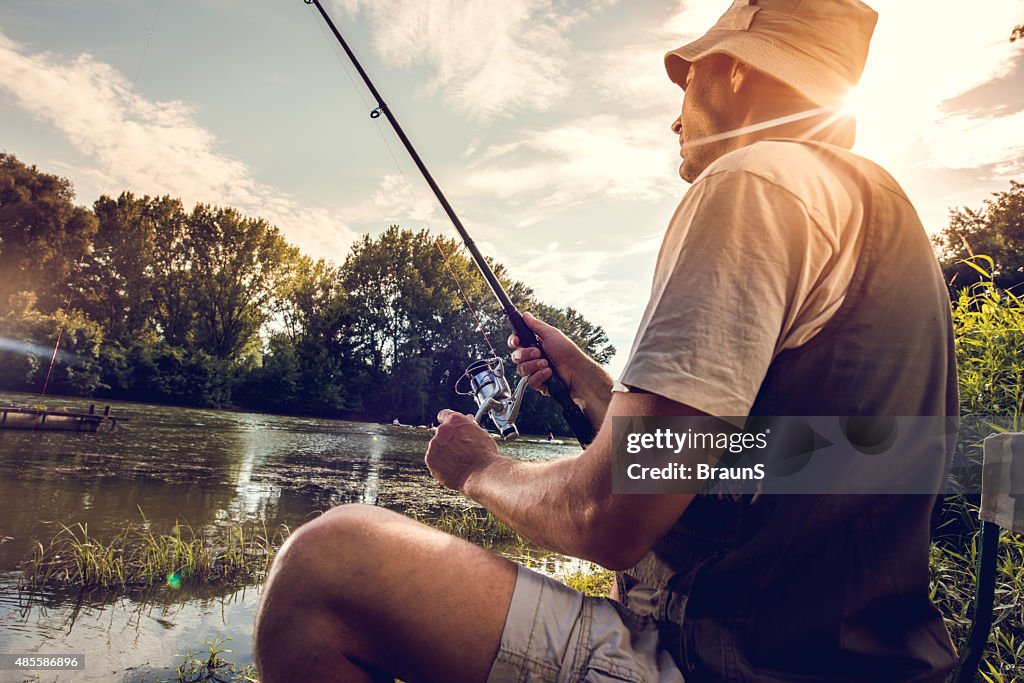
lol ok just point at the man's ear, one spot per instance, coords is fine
(741, 76)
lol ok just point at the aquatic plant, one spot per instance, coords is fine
(214, 669)
(473, 524)
(138, 557)
(209, 667)
(588, 578)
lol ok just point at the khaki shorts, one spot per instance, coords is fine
(554, 634)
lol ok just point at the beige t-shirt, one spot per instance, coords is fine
(758, 257)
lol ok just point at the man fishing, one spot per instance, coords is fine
(794, 279)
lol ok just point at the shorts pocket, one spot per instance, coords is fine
(602, 675)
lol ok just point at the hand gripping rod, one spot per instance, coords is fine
(555, 386)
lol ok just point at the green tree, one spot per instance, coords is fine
(235, 267)
(120, 278)
(309, 367)
(174, 310)
(43, 234)
(415, 333)
(312, 298)
(28, 339)
(996, 231)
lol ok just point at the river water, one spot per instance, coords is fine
(208, 468)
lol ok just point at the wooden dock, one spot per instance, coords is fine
(37, 419)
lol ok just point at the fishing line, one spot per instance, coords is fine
(359, 92)
(106, 176)
(491, 392)
(479, 323)
(410, 190)
(337, 55)
(131, 91)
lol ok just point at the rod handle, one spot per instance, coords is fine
(556, 386)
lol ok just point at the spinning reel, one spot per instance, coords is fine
(494, 398)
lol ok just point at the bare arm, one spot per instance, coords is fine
(565, 505)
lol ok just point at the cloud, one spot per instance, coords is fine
(921, 60)
(403, 201)
(960, 142)
(150, 147)
(486, 58)
(599, 155)
(577, 275)
(633, 78)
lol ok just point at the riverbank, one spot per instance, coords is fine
(199, 476)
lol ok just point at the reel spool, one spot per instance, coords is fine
(485, 381)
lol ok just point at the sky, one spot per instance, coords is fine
(545, 122)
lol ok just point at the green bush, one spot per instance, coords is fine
(988, 325)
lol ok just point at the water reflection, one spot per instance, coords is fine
(372, 485)
(204, 467)
(131, 638)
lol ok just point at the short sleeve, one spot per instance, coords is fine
(738, 260)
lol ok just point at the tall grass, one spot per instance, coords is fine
(953, 578)
(139, 557)
(474, 524)
(988, 326)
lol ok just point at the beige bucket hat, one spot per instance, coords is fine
(817, 47)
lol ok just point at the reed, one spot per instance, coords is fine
(473, 524)
(138, 557)
(953, 579)
(590, 579)
(988, 325)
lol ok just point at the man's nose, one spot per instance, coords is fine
(677, 125)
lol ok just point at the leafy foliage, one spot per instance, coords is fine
(24, 362)
(995, 231)
(989, 326)
(208, 307)
(989, 330)
(235, 267)
(42, 233)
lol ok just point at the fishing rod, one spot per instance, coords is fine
(488, 384)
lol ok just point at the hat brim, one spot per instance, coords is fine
(771, 56)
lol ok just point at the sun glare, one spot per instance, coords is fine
(854, 104)
(882, 133)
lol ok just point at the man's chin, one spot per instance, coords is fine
(687, 173)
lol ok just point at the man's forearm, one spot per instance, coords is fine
(534, 499)
(548, 502)
(592, 387)
(564, 505)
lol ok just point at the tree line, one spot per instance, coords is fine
(208, 307)
(985, 245)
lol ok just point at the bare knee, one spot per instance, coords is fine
(316, 577)
(323, 557)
